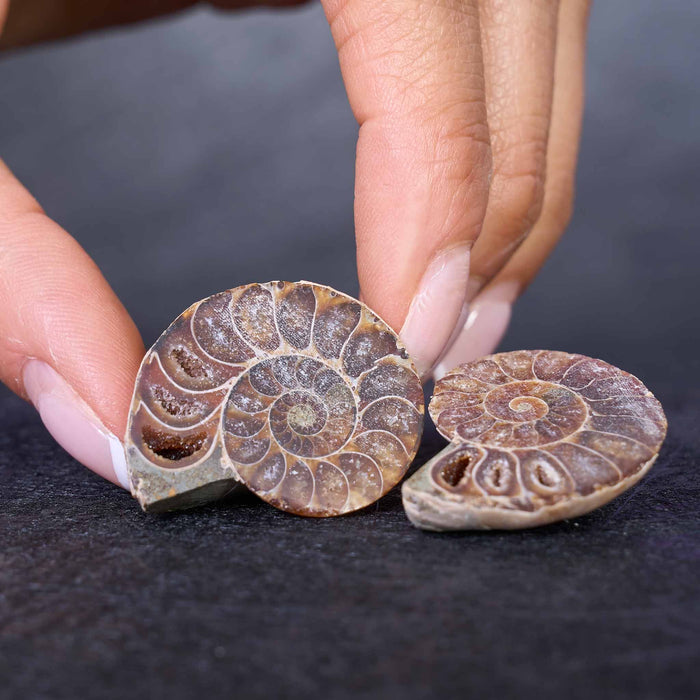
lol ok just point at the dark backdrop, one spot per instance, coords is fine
(207, 151)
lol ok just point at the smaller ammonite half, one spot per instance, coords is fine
(536, 436)
(297, 391)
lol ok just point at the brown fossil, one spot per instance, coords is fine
(536, 436)
(293, 389)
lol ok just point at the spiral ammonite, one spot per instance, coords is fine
(296, 390)
(536, 436)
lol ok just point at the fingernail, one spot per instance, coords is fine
(486, 324)
(463, 315)
(73, 424)
(436, 307)
(474, 286)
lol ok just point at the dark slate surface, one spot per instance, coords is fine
(240, 600)
(198, 154)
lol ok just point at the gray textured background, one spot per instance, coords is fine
(207, 151)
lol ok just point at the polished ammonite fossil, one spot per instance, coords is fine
(293, 389)
(536, 436)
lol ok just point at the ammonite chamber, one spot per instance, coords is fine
(536, 436)
(293, 389)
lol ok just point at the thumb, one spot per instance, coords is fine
(414, 77)
(67, 344)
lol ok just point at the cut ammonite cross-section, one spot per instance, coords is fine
(536, 436)
(293, 389)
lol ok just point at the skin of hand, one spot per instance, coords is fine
(469, 116)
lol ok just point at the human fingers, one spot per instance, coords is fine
(66, 342)
(519, 44)
(489, 313)
(414, 76)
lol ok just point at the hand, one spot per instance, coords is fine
(469, 112)
(469, 116)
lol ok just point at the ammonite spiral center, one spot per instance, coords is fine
(532, 402)
(310, 407)
(529, 407)
(306, 416)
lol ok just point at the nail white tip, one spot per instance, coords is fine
(116, 450)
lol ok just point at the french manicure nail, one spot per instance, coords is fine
(474, 286)
(436, 307)
(463, 316)
(73, 424)
(486, 324)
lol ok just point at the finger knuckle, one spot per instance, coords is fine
(460, 162)
(559, 204)
(416, 54)
(519, 182)
(427, 91)
(459, 136)
(519, 199)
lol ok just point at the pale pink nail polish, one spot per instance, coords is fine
(436, 307)
(488, 319)
(73, 424)
(474, 286)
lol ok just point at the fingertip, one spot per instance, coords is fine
(486, 324)
(72, 423)
(67, 342)
(436, 307)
